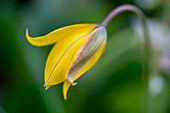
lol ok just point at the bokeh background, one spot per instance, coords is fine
(113, 85)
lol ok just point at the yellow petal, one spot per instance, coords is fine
(66, 86)
(58, 34)
(88, 54)
(61, 55)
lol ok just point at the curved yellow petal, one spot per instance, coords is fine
(61, 55)
(66, 86)
(58, 34)
(88, 54)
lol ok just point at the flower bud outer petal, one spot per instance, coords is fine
(88, 54)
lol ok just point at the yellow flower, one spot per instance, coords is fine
(77, 48)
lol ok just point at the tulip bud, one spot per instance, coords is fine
(77, 48)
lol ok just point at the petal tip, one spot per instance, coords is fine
(74, 83)
(66, 86)
(27, 30)
(65, 98)
(44, 85)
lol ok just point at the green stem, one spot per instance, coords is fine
(147, 48)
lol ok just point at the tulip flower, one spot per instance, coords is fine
(76, 49)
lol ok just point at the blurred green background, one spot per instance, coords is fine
(113, 85)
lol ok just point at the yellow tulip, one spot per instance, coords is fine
(77, 48)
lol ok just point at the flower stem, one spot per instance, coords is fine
(147, 48)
